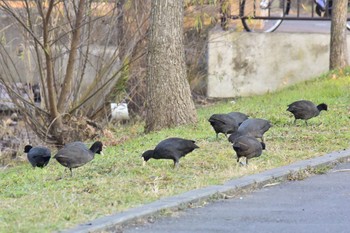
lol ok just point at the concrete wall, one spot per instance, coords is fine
(243, 64)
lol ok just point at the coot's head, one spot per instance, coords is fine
(97, 147)
(27, 148)
(147, 155)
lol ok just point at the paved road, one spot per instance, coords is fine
(319, 204)
(305, 26)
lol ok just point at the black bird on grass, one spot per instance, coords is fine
(305, 109)
(171, 148)
(238, 116)
(248, 147)
(254, 127)
(76, 154)
(38, 156)
(223, 123)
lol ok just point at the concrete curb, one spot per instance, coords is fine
(233, 187)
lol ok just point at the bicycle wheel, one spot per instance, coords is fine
(329, 13)
(262, 15)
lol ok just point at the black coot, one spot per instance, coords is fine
(305, 109)
(238, 116)
(171, 148)
(248, 147)
(38, 156)
(223, 123)
(76, 154)
(254, 127)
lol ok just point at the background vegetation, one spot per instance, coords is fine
(42, 200)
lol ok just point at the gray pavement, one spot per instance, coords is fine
(320, 203)
(306, 26)
(314, 206)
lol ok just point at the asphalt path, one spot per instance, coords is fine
(305, 26)
(320, 203)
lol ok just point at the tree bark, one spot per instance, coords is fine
(75, 42)
(169, 102)
(56, 120)
(338, 57)
(120, 27)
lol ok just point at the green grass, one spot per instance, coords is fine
(35, 200)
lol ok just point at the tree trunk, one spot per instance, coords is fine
(338, 58)
(73, 53)
(169, 102)
(56, 120)
(120, 27)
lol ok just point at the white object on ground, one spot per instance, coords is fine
(119, 111)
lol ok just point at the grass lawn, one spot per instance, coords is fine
(35, 200)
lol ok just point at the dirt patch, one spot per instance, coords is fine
(14, 135)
